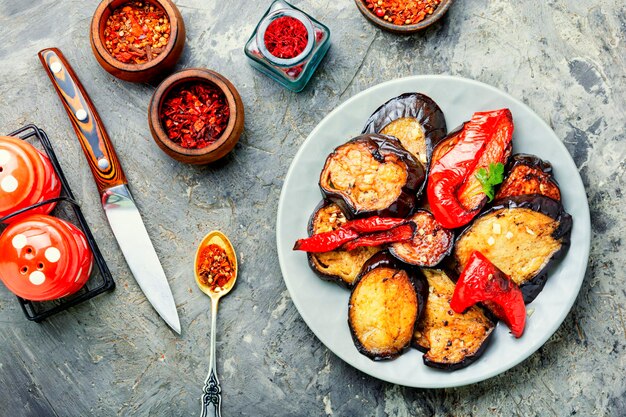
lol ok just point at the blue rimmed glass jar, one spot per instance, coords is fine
(293, 73)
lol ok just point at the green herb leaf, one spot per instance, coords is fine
(490, 178)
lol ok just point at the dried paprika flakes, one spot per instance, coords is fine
(214, 267)
(136, 32)
(286, 37)
(402, 12)
(195, 115)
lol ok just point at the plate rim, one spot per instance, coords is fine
(585, 224)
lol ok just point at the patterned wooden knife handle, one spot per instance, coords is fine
(94, 140)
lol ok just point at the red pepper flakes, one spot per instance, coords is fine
(195, 115)
(215, 268)
(286, 37)
(402, 12)
(136, 32)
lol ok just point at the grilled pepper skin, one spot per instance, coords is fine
(482, 281)
(398, 234)
(450, 172)
(328, 241)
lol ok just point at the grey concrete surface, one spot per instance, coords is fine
(113, 356)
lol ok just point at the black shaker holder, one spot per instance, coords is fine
(67, 208)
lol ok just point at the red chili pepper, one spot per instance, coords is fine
(328, 241)
(374, 224)
(398, 234)
(482, 281)
(453, 169)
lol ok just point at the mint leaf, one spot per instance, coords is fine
(490, 178)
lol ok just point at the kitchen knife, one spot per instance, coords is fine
(117, 201)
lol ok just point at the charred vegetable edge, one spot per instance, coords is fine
(414, 105)
(380, 145)
(417, 279)
(549, 207)
(447, 252)
(326, 277)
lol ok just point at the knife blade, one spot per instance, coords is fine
(117, 201)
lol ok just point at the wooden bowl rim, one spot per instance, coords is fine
(97, 21)
(186, 76)
(404, 29)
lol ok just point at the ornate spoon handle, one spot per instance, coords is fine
(212, 392)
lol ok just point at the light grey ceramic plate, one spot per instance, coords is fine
(324, 305)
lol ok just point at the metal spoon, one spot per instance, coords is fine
(212, 392)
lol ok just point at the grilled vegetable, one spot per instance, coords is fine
(339, 266)
(398, 234)
(521, 236)
(451, 340)
(481, 281)
(415, 119)
(455, 191)
(430, 244)
(527, 174)
(372, 226)
(372, 174)
(385, 304)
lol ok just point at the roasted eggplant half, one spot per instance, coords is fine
(372, 174)
(528, 174)
(415, 119)
(339, 266)
(522, 236)
(430, 244)
(385, 304)
(450, 340)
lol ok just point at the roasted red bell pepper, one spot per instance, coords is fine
(398, 234)
(484, 140)
(482, 281)
(328, 241)
(373, 224)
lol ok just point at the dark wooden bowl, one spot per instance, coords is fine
(403, 29)
(149, 71)
(224, 144)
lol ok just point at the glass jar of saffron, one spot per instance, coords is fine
(288, 45)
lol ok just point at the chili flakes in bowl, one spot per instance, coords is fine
(402, 12)
(194, 115)
(137, 32)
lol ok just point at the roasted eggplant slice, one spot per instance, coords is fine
(415, 119)
(372, 174)
(520, 235)
(339, 265)
(451, 340)
(528, 174)
(430, 244)
(385, 305)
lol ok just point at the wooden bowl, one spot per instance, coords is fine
(224, 144)
(403, 29)
(149, 71)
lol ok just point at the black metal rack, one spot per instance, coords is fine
(67, 208)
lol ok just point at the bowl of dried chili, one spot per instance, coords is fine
(196, 116)
(403, 16)
(137, 40)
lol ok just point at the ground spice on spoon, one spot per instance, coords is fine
(215, 268)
